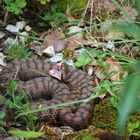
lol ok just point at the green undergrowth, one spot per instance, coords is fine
(17, 51)
(14, 104)
(105, 114)
(17, 6)
(133, 126)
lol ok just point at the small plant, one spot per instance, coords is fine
(16, 6)
(91, 56)
(133, 128)
(17, 51)
(83, 60)
(105, 87)
(54, 17)
(18, 103)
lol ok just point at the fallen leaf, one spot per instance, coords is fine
(37, 48)
(114, 67)
(98, 71)
(51, 40)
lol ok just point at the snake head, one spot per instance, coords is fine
(62, 73)
(65, 73)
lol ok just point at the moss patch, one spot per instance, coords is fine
(105, 116)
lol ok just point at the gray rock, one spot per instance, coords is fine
(20, 25)
(49, 51)
(11, 28)
(57, 57)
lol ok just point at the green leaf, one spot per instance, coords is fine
(44, 1)
(26, 134)
(87, 138)
(129, 102)
(20, 3)
(20, 97)
(17, 51)
(14, 8)
(7, 1)
(2, 129)
(83, 59)
(48, 17)
(59, 14)
(7, 102)
(2, 115)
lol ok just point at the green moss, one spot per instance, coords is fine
(105, 116)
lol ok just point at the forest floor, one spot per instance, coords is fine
(100, 37)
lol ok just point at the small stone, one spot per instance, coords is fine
(28, 28)
(23, 37)
(90, 70)
(57, 57)
(79, 51)
(37, 47)
(49, 51)
(12, 28)
(2, 61)
(9, 40)
(77, 30)
(13, 138)
(70, 63)
(2, 34)
(110, 45)
(20, 25)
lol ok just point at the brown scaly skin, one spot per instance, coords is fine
(37, 86)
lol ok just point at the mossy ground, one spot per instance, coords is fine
(105, 116)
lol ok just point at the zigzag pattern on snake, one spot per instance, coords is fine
(36, 85)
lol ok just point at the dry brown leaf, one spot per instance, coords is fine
(98, 71)
(36, 47)
(59, 45)
(54, 39)
(114, 66)
(74, 42)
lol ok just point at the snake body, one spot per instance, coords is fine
(79, 86)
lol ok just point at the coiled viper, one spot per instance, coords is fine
(36, 85)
